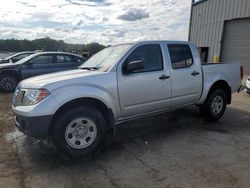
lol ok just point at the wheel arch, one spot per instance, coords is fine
(89, 102)
(221, 84)
(18, 76)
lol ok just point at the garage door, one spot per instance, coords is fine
(236, 42)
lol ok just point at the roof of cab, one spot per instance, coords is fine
(54, 52)
(155, 41)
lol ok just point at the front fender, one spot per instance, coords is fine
(69, 93)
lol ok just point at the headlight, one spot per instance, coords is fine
(33, 96)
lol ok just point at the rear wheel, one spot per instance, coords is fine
(79, 131)
(8, 82)
(215, 105)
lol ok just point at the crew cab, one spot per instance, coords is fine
(36, 64)
(122, 82)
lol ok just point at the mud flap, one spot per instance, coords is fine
(241, 88)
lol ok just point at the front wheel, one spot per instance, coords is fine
(215, 105)
(8, 82)
(79, 131)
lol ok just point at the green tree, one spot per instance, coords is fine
(47, 44)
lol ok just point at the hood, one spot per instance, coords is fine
(54, 80)
(6, 65)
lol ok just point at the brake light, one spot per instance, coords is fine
(241, 72)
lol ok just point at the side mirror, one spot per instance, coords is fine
(134, 66)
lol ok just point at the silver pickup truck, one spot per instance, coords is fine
(122, 82)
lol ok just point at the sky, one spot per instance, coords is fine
(104, 21)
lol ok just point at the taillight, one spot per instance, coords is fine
(241, 72)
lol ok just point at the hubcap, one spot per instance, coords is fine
(80, 133)
(8, 83)
(217, 105)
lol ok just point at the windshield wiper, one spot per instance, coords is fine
(89, 68)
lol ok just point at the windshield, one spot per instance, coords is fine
(106, 58)
(9, 57)
(14, 55)
(25, 59)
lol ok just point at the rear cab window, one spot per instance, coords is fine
(180, 55)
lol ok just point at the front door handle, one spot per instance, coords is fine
(195, 73)
(164, 77)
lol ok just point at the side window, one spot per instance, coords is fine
(150, 55)
(188, 55)
(43, 59)
(63, 59)
(180, 55)
(77, 59)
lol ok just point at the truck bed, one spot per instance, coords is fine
(212, 70)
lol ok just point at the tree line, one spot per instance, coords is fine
(47, 44)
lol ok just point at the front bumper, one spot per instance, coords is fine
(248, 89)
(36, 127)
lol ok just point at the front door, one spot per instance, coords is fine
(37, 66)
(148, 89)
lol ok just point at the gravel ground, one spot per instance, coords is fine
(176, 149)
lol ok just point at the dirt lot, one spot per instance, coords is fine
(177, 149)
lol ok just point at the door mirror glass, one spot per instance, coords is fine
(134, 66)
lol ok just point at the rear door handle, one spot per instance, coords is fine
(164, 77)
(195, 73)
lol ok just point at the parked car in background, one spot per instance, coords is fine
(123, 82)
(36, 64)
(248, 85)
(16, 57)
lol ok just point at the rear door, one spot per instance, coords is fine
(145, 90)
(37, 65)
(186, 75)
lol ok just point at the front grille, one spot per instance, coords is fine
(18, 97)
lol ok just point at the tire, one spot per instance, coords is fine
(215, 105)
(8, 82)
(79, 131)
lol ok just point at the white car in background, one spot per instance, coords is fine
(248, 85)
